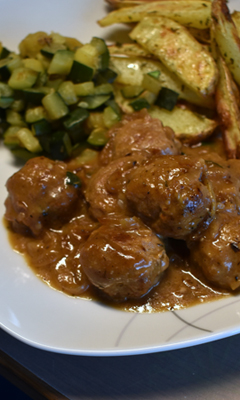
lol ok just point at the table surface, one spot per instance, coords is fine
(208, 371)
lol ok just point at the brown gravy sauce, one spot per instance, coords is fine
(54, 258)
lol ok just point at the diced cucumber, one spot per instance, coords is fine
(6, 95)
(4, 71)
(41, 79)
(60, 145)
(92, 102)
(74, 125)
(33, 64)
(6, 102)
(55, 106)
(8, 64)
(4, 52)
(75, 119)
(130, 91)
(67, 92)
(14, 118)
(84, 89)
(49, 51)
(42, 127)
(167, 99)
(61, 63)
(104, 88)
(28, 141)
(98, 137)
(44, 61)
(110, 117)
(54, 83)
(106, 76)
(23, 154)
(87, 156)
(95, 120)
(14, 62)
(87, 55)
(35, 114)
(112, 103)
(35, 95)
(18, 105)
(22, 78)
(3, 123)
(102, 51)
(139, 104)
(152, 84)
(72, 43)
(10, 136)
(80, 72)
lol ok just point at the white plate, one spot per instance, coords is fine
(47, 319)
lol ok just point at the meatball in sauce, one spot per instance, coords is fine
(171, 194)
(124, 259)
(139, 133)
(39, 195)
(154, 227)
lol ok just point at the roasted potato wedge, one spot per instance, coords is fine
(196, 14)
(189, 127)
(202, 35)
(131, 70)
(130, 49)
(236, 20)
(126, 3)
(129, 3)
(228, 110)
(179, 51)
(227, 38)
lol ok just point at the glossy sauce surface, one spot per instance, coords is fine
(54, 257)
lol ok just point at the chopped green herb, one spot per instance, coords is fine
(154, 74)
(213, 163)
(73, 179)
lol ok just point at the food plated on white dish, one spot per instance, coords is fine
(46, 318)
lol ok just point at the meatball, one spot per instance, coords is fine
(39, 194)
(217, 252)
(139, 132)
(225, 179)
(171, 194)
(124, 260)
(105, 191)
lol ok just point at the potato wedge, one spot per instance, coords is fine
(236, 20)
(228, 110)
(188, 126)
(179, 51)
(227, 38)
(202, 35)
(129, 49)
(130, 71)
(196, 14)
(126, 3)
